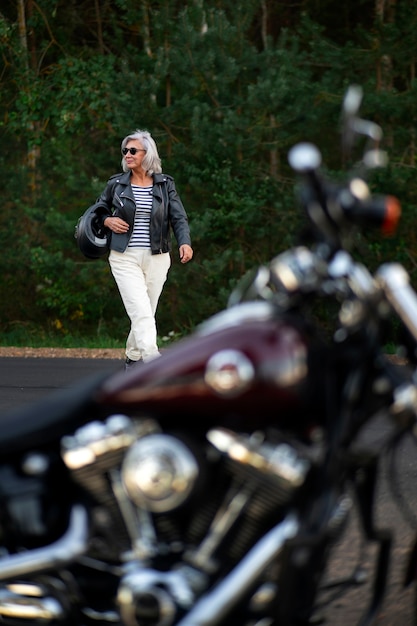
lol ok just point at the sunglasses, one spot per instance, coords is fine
(132, 150)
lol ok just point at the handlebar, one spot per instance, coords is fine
(331, 207)
(380, 211)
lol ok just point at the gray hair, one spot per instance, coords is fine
(151, 161)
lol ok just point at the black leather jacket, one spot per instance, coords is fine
(117, 200)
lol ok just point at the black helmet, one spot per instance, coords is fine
(91, 236)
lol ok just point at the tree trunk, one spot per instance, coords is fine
(385, 13)
(30, 63)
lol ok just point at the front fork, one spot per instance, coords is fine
(306, 555)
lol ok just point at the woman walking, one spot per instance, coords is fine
(140, 206)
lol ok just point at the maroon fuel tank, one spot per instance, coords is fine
(243, 365)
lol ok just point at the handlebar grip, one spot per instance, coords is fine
(380, 211)
(395, 282)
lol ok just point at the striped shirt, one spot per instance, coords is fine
(140, 235)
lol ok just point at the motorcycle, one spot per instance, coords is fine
(209, 486)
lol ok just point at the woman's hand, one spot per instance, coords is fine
(186, 253)
(116, 224)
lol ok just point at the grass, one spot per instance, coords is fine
(25, 336)
(32, 339)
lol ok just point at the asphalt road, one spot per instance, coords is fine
(395, 510)
(26, 380)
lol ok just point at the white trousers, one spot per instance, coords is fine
(140, 277)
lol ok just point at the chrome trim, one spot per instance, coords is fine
(244, 312)
(214, 606)
(71, 545)
(159, 472)
(229, 373)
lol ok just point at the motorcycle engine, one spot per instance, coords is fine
(152, 513)
(145, 544)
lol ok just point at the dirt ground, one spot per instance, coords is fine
(88, 353)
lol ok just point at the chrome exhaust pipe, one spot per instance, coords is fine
(27, 601)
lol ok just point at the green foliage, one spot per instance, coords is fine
(226, 89)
